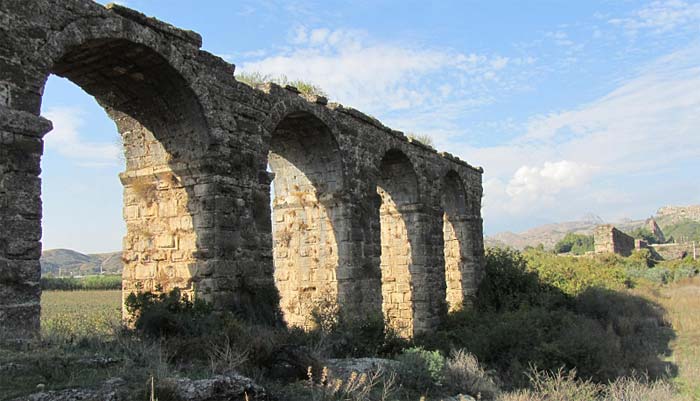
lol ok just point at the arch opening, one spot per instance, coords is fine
(454, 205)
(306, 215)
(397, 187)
(155, 110)
(161, 125)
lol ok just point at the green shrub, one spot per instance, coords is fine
(578, 244)
(508, 283)
(420, 369)
(60, 284)
(553, 312)
(644, 234)
(684, 230)
(193, 333)
(344, 336)
(640, 257)
(573, 275)
(165, 315)
(363, 337)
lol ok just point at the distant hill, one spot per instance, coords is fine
(67, 262)
(549, 234)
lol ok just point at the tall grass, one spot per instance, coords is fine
(305, 87)
(682, 301)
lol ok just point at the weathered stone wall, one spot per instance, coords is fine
(608, 239)
(362, 216)
(676, 251)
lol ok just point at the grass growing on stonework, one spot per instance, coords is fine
(542, 328)
(305, 87)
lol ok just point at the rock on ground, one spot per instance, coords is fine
(219, 388)
(230, 387)
(343, 368)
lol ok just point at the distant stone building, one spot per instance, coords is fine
(675, 251)
(608, 239)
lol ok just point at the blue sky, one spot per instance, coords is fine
(571, 107)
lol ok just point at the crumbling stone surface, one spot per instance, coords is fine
(361, 214)
(676, 251)
(608, 239)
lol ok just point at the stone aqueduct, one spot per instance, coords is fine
(361, 214)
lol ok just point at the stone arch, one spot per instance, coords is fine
(308, 218)
(455, 210)
(397, 187)
(162, 126)
(164, 131)
(135, 75)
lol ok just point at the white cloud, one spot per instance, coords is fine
(661, 16)
(533, 183)
(580, 158)
(379, 76)
(600, 157)
(561, 38)
(65, 139)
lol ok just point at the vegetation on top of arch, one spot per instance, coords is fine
(306, 88)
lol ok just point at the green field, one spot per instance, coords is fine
(80, 313)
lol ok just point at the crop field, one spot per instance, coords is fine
(80, 313)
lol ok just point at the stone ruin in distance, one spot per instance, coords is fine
(361, 215)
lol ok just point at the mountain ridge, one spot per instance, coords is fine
(67, 262)
(549, 234)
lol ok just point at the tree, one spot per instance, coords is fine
(578, 244)
(644, 234)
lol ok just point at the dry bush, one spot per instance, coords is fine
(464, 374)
(629, 389)
(378, 385)
(422, 138)
(561, 386)
(224, 357)
(555, 386)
